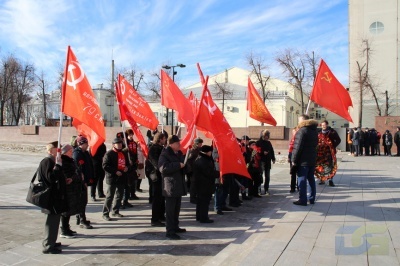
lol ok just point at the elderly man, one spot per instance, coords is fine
(50, 173)
(116, 165)
(171, 167)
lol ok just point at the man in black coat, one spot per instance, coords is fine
(304, 156)
(84, 163)
(158, 200)
(99, 173)
(267, 156)
(116, 165)
(171, 167)
(204, 174)
(50, 173)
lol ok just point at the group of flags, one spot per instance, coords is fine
(78, 102)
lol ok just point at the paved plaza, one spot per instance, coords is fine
(354, 223)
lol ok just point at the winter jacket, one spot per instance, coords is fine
(173, 178)
(305, 144)
(356, 138)
(74, 190)
(204, 174)
(110, 166)
(84, 163)
(265, 145)
(333, 136)
(52, 176)
(151, 164)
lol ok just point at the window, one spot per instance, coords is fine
(376, 27)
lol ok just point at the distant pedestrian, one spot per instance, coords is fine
(293, 177)
(397, 140)
(99, 173)
(193, 153)
(388, 142)
(356, 141)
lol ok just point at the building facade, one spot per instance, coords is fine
(374, 28)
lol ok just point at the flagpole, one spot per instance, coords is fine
(63, 88)
(179, 129)
(308, 106)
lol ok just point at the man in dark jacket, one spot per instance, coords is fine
(116, 165)
(171, 167)
(50, 173)
(267, 156)
(84, 163)
(304, 157)
(397, 140)
(204, 174)
(158, 200)
(193, 153)
(99, 174)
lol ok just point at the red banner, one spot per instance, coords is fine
(79, 102)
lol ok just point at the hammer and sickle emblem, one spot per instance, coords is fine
(71, 67)
(123, 88)
(211, 109)
(327, 78)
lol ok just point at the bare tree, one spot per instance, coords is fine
(294, 65)
(258, 66)
(24, 83)
(223, 90)
(43, 86)
(366, 83)
(134, 76)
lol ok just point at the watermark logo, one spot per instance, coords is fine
(356, 240)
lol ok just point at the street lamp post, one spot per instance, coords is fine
(173, 79)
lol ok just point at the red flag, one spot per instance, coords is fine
(126, 114)
(210, 118)
(256, 106)
(79, 102)
(201, 74)
(173, 98)
(330, 93)
(138, 108)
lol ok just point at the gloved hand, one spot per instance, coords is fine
(293, 169)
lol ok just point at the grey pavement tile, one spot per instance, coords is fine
(26, 251)
(54, 259)
(292, 257)
(32, 262)
(326, 240)
(9, 258)
(322, 256)
(354, 260)
(300, 243)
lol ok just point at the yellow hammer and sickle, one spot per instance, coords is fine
(327, 78)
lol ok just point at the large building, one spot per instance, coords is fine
(374, 28)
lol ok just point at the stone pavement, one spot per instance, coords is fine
(354, 223)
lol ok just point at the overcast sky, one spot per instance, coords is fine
(149, 33)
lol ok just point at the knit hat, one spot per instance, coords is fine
(198, 140)
(66, 148)
(81, 140)
(206, 148)
(245, 137)
(173, 139)
(117, 140)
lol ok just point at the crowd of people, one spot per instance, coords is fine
(171, 175)
(368, 142)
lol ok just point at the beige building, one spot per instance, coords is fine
(374, 25)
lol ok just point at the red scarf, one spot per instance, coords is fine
(121, 160)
